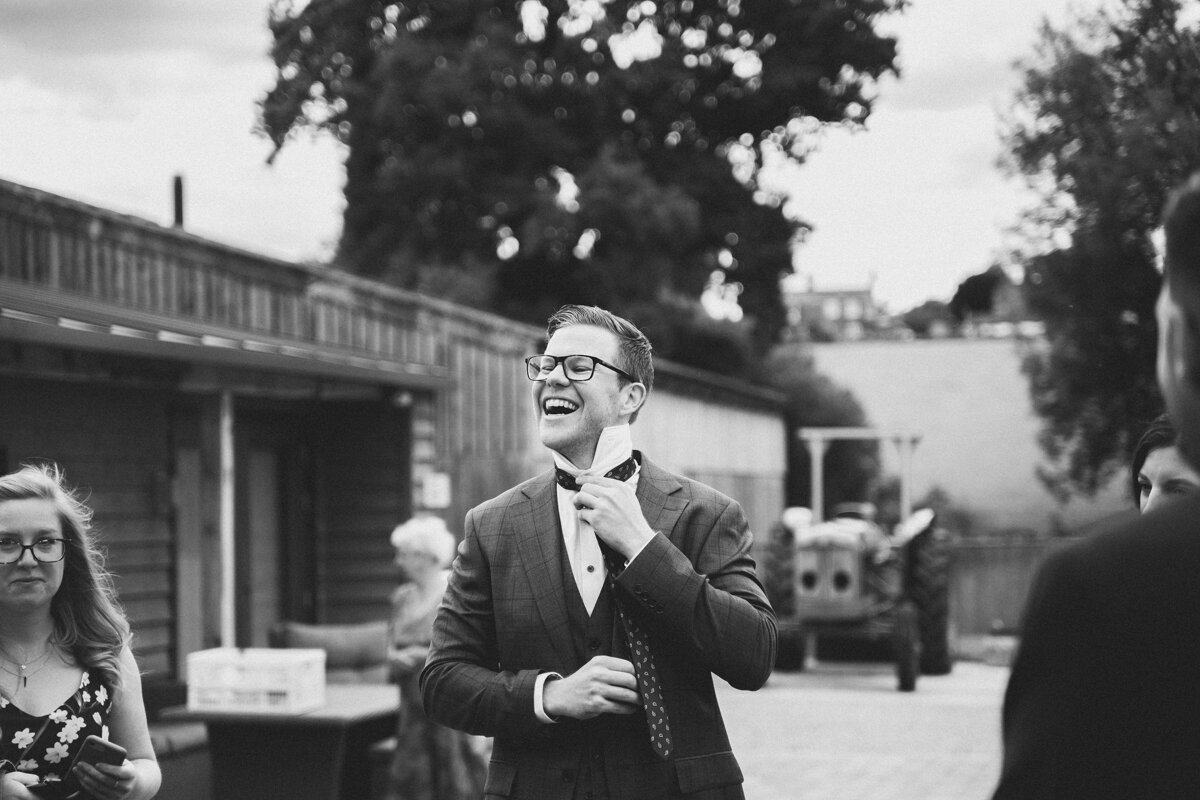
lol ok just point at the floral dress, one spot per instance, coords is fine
(46, 746)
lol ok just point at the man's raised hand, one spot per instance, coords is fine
(611, 507)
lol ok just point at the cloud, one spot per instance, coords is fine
(84, 29)
(945, 87)
(99, 55)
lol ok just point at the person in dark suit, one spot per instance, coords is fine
(1104, 696)
(589, 607)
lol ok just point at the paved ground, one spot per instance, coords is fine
(843, 732)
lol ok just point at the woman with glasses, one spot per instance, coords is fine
(66, 668)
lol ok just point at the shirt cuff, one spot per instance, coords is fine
(539, 686)
(638, 552)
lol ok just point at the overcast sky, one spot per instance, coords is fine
(106, 100)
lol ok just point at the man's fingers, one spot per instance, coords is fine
(612, 662)
(625, 708)
(598, 480)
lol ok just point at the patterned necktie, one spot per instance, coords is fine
(639, 642)
(621, 472)
(643, 662)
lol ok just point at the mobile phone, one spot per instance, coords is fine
(98, 751)
(93, 751)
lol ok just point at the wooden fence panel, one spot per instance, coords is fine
(990, 581)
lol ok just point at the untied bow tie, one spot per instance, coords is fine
(639, 644)
(621, 472)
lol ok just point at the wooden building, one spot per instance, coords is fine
(249, 430)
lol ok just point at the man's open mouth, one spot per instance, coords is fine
(557, 406)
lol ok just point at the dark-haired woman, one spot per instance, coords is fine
(1157, 469)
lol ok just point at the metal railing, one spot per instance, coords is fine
(89, 258)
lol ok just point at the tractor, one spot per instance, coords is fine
(851, 579)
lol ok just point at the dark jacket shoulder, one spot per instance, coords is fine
(1155, 547)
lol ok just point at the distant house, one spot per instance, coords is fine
(836, 314)
(249, 430)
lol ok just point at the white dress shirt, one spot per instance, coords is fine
(614, 447)
(587, 563)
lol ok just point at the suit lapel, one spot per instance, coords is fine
(658, 494)
(539, 555)
(662, 504)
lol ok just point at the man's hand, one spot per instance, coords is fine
(611, 507)
(604, 685)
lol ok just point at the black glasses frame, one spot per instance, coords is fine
(534, 371)
(37, 558)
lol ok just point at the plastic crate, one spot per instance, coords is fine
(256, 679)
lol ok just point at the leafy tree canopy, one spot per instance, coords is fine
(922, 319)
(977, 293)
(601, 151)
(851, 467)
(1108, 120)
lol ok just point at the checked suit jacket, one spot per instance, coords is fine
(504, 620)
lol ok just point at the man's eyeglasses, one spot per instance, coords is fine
(577, 368)
(46, 550)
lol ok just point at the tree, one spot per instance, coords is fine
(923, 319)
(574, 150)
(813, 400)
(1107, 121)
(976, 294)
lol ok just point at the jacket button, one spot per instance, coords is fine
(593, 645)
(568, 776)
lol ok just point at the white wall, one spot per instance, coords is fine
(971, 403)
(738, 451)
(687, 435)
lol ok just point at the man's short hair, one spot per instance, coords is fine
(1181, 224)
(634, 352)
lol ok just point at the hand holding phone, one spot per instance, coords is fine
(99, 751)
(93, 751)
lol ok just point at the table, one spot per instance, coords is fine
(319, 754)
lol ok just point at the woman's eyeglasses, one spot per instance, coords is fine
(47, 550)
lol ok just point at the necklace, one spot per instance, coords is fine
(26, 666)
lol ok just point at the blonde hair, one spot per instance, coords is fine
(88, 620)
(426, 535)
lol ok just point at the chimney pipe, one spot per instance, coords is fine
(179, 201)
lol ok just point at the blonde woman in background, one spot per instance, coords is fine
(432, 762)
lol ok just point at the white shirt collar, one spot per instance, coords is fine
(614, 446)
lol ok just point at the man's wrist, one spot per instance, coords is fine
(539, 689)
(638, 550)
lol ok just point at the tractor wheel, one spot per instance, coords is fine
(906, 645)
(930, 591)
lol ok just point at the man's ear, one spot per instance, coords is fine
(633, 395)
(1186, 350)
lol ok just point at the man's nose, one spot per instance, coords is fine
(558, 375)
(27, 553)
